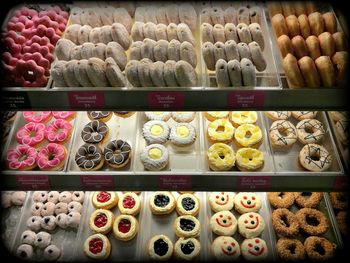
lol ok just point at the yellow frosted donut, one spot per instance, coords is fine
(221, 157)
(242, 117)
(248, 135)
(220, 130)
(214, 115)
(249, 159)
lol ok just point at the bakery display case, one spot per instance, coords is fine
(182, 173)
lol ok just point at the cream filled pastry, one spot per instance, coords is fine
(220, 130)
(155, 131)
(158, 115)
(155, 157)
(183, 116)
(247, 202)
(129, 203)
(101, 221)
(214, 115)
(225, 248)
(182, 134)
(254, 249)
(223, 223)
(104, 200)
(220, 201)
(243, 117)
(251, 225)
(125, 227)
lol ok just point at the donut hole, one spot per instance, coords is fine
(281, 195)
(285, 221)
(51, 156)
(22, 158)
(248, 134)
(222, 156)
(32, 134)
(311, 220)
(319, 249)
(292, 248)
(309, 129)
(220, 129)
(306, 194)
(315, 157)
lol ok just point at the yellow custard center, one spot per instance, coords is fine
(182, 131)
(156, 130)
(155, 153)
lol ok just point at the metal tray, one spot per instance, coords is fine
(19, 123)
(288, 162)
(181, 159)
(268, 167)
(119, 128)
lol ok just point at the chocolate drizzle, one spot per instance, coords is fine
(313, 124)
(117, 152)
(88, 156)
(286, 126)
(94, 132)
(96, 115)
(324, 156)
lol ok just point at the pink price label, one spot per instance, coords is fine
(86, 99)
(97, 182)
(245, 99)
(340, 183)
(253, 182)
(33, 182)
(175, 182)
(166, 100)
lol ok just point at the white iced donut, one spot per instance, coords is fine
(155, 157)
(40, 196)
(43, 239)
(182, 134)
(251, 225)
(52, 253)
(310, 131)
(282, 134)
(220, 201)
(155, 131)
(24, 252)
(28, 237)
(225, 248)
(278, 115)
(48, 222)
(223, 223)
(302, 115)
(187, 248)
(254, 249)
(53, 197)
(247, 202)
(34, 223)
(62, 220)
(78, 196)
(158, 115)
(75, 206)
(48, 209)
(36, 209)
(18, 197)
(65, 197)
(61, 208)
(183, 116)
(73, 219)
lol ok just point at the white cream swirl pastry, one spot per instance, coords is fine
(158, 115)
(155, 157)
(155, 131)
(182, 134)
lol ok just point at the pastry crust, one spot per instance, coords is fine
(293, 74)
(129, 204)
(326, 70)
(313, 46)
(305, 29)
(187, 204)
(164, 205)
(130, 233)
(299, 46)
(152, 251)
(110, 203)
(330, 22)
(327, 44)
(183, 244)
(293, 25)
(100, 255)
(309, 72)
(316, 23)
(285, 45)
(101, 215)
(186, 226)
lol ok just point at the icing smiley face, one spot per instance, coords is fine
(251, 225)
(223, 223)
(254, 249)
(225, 248)
(247, 202)
(220, 201)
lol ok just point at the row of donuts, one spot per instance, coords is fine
(339, 202)
(341, 122)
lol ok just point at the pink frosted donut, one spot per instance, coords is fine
(22, 157)
(51, 157)
(37, 116)
(32, 134)
(58, 131)
(65, 115)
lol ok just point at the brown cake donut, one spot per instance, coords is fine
(339, 200)
(274, 8)
(299, 8)
(308, 199)
(327, 44)
(291, 68)
(310, 7)
(290, 249)
(316, 23)
(279, 25)
(285, 45)
(313, 46)
(293, 25)
(341, 221)
(285, 222)
(326, 70)
(287, 8)
(330, 22)
(281, 199)
(319, 221)
(309, 72)
(340, 61)
(341, 44)
(299, 46)
(313, 246)
(305, 29)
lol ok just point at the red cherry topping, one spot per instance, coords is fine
(100, 220)
(257, 241)
(233, 244)
(250, 245)
(124, 226)
(128, 202)
(221, 216)
(217, 197)
(245, 221)
(251, 216)
(253, 198)
(244, 197)
(222, 193)
(103, 197)
(95, 245)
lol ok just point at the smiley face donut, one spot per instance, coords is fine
(97, 246)
(101, 221)
(247, 202)
(315, 158)
(302, 115)
(223, 223)
(220, 201)
(225, 248)
(37, 116)
(251, 225)
(104, 200)
(32, 134)
(254, 249)
(310, 131)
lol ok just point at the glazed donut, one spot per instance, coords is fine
(117, 153)
(124, 114)
(155, 157)
(311, 245)
(183, 116)
(31, 134)
(243, 117)
(279, 25)
(302, 115)
(313, 47)
(58, 131)
(340, 61)
(248, 135)
(339, 200)
(285, 222)
(330, 22)
(95, 132)
(293, 74)
(341, 219)
(305, 29)
(287, 8)
(51, 157)
(221, 157)
(25, 252)
(103, 116)
(155, 131)
(37, 116)
(278, 115)
(257, 34)
(249, 159)
(306, 199)
(220, 130)
(299, 47)
(327, 44)
(319, 224)
(83, 157)
(214, 115)
(182, 134)
(316, 23)
(315, 158)
(65, 115)
(285, 45)
(293, 25)
(282, 135)
(309, 72)
(244, 33)
(310, 131)
(340, 41)
(290, 249)
(257, 56)
(157, 115)
(281, 199)
(52, 253)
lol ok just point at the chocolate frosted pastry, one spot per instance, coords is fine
(124, 114)
(95, 132)
(117, 153)
(99, 115)
(160, 247)
(89, 157)
(162, 203)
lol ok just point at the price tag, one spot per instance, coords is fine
(86, 99)
(253, 182)
(33, 182)
(15, 100)
(340, 183)
(245, 99)
(166, 100)
(175, 182)
(97, 182)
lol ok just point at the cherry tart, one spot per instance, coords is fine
(187, 204)
(101, 221)
(97, 246)
(104, 200)
(129, 204)
(125, 227)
